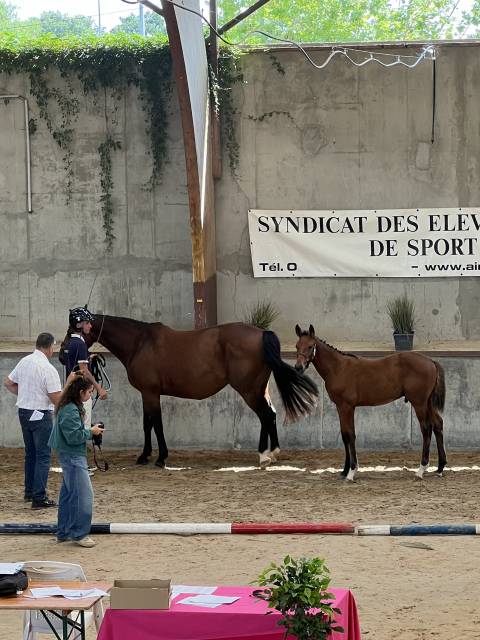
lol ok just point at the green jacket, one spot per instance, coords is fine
(69, 434)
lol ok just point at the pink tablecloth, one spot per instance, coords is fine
(244, 618)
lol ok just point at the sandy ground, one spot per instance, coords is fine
(402, 591)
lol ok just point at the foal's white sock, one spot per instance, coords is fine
(352, 473)
(421, 470)
(265, 458)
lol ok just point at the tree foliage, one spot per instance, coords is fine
(154, 24)
(299, 20)
(347, 20)
(59, 24)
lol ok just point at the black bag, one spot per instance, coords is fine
(10, 584)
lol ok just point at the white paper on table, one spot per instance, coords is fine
(70, 594)
(75, 594)
(185, 588)
(46, 592)
(36, 415)
(11, 568)
(208, 600)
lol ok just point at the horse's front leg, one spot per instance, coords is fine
(346, 466)
(346, 415)
(147, 439)
(162, 445)
(152, 418)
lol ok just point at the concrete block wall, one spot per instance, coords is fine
(51, 257)
(224, 421)
(351, 138)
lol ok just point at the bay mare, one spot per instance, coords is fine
(352, 381)
(197, 364)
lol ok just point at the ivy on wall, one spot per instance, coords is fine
(112, 63)
(108, 66)
(221, 89)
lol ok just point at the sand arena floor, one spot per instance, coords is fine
(402, 591)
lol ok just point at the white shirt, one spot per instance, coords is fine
(36, 378)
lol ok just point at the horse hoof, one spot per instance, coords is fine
(160, 463)
(275, 454)
(265, 459)
(421, 470)
(351, 475)
(142, 460)
(439, 474)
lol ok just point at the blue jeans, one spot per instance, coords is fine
(75, 505)
(37, 452)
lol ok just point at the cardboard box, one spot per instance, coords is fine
(140, 594)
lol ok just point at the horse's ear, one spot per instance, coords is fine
(298, 331)
(311, 331)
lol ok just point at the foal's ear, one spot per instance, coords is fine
(311, 331)
(298, 331)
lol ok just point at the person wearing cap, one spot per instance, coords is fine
(36, 383)
(76, 356)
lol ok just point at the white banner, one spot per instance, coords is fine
(390, 243)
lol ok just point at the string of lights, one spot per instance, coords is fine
(426, 53)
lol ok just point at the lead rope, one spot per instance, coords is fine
(99, 372)
(104, 463)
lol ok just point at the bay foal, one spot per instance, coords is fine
(352, 381)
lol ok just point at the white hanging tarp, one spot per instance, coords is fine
(389, 243)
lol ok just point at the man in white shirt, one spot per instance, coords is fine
(37, 385)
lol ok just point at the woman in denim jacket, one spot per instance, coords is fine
(68, 438)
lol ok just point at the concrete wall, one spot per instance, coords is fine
(224, 420)
(351, 138)
(338, 138)
(49, 258)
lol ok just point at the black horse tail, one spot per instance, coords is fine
(299, 394)
(436, 400)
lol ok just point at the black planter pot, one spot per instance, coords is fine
(403, 341)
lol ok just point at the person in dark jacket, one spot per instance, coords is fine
(75, 354)
(69, 437)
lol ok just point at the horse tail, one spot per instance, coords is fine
(436, 400)
(299, 394)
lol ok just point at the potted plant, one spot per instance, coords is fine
(262, 314)
(401, 311)
(299, 590)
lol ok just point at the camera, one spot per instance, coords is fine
(97, 439)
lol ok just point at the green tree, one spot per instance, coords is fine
(154, 24)
(345, 20)
(60, 25)
(8, 14)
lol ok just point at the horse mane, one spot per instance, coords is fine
(343, 353)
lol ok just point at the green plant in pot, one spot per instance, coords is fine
(298, 589)
(401, 311)
(262, 314)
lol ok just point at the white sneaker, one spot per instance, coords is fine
(86, 542)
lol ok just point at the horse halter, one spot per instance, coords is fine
(308, 358)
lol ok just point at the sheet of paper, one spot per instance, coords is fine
(185, 588)
(75, 594)
(10, 568)
(36, 415)
(210, 601)
(70, 594)
(46, 592)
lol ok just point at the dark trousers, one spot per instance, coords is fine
(37, 452)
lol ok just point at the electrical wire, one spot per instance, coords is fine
(427, 52)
